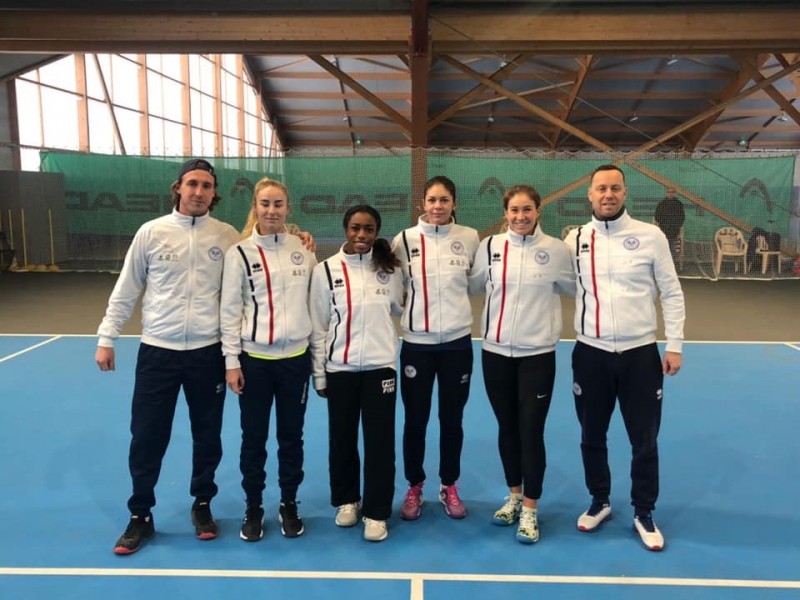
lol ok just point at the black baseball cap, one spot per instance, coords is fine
(196, 164)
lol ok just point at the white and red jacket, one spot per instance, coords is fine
(522, 277)
(435, 262)
(351, 311)
(264, 305)
(621, 266)
(177, 260)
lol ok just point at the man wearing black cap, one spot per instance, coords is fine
(177, 260)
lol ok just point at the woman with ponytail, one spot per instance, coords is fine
(354, 350)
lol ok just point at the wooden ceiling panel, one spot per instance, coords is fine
(521, 74)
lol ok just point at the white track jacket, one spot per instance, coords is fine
(621, 266)
(435, 261)
(351, 307)
(264, 306)
(177, 260)
(522, 277)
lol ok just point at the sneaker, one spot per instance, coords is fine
(139, 528)
(253, 523)
(412, 505)
(374, 530)
(291, 523)
(528, 530)
(509, 512)
(205, 527)
(596, 515)
(347, 514)
(647, 530)
(448, 496)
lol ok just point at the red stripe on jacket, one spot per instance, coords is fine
(269, 295)
(502, 291)
(349, 312)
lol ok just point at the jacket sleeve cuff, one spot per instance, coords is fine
(320, 382)
(105, 342)
(674, 346)
(232, 362)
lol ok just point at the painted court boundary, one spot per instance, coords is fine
(415, 579)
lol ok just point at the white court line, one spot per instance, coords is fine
(794, 344)
(416, 579)
(71, 335)
(29, 348)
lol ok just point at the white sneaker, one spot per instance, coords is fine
(647, 530)
(347, 514)
(508, 514)
(374, 530)
(595, 516)
(528, 530)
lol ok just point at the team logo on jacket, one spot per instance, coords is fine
(415, 252)
(215, 253)
(457, 248)
(541, 257)
(257, 268)
(338, 283)
(388, 385)
(382, 277)
(297, 258)
(584, 247)
(496, 257)
(631, 243)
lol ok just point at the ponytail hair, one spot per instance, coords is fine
(383, 259)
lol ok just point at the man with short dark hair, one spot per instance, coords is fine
(177, 260)
(622, 265)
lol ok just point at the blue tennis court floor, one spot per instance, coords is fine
(728, 504)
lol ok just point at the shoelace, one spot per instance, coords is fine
(346, 509)
(527, 521)
(451, 494)
(510, 507)
(647, 523)
(414, 495)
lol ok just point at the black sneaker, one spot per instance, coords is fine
(253, 523)
(139, 529)
(204, 525)
(291, 523)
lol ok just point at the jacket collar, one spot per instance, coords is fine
(521, 240)
(614, 224)
(187, 220)
(429, 229)
(271, 240)
(356, 259)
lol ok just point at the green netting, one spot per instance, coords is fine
(109, 197)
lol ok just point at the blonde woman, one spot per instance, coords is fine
(265, 336)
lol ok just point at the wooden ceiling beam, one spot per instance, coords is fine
(362, 91)
(539, 112)
(698, 131)
(572, 96)
(776, 96)
(606, 32)
(691, 31)
(498, 75)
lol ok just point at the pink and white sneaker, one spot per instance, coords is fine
(412, 505)
(453, 506)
